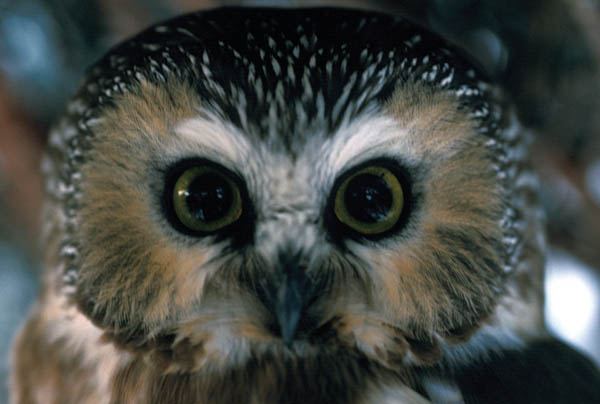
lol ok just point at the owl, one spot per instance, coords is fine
(255, 205)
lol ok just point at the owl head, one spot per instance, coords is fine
(251, 183)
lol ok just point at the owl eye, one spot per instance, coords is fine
(370, 200)
(206, 199)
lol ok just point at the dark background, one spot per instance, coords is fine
(545, 52)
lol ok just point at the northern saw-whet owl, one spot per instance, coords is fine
(290, 206)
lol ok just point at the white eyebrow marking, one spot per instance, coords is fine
(209, 138)
(363, 139)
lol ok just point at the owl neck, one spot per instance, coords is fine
(328, 378)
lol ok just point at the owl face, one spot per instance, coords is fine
(316, 183)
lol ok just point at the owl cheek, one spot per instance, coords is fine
(131, 299)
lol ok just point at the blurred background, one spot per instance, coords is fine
(545, 52)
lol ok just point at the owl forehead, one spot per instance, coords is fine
(280, 73)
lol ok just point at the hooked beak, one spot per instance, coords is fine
(291, 300)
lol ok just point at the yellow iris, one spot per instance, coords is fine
(370, 200)
(206, 199)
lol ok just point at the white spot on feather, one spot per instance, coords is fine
(276, 67)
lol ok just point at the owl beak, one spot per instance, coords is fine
(291, 299)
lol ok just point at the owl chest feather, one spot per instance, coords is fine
(317, 380)
(82, 367)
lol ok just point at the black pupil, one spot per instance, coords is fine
(209, 197)
(368, 198)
